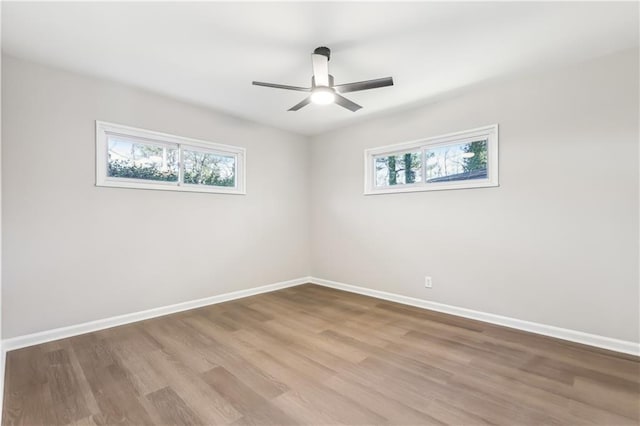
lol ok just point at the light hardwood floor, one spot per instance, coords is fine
(313, 355)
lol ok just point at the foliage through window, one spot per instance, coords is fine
(136, 158)
(466, 159)
(456, 162)
(205, 168)
(399, 169)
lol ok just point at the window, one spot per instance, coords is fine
(135, 158)
(466, 159)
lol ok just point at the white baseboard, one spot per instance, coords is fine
(101, 324)
(623, 346)
(603, 342)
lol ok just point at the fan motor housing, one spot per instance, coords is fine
(313, 81)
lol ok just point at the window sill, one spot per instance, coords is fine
(432, 187)
(170, 187)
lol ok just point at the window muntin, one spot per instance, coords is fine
(467, 159)
(136, 158)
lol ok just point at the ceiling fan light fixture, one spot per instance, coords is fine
(323, 96)
(322, 90)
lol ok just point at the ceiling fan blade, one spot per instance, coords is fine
(364, 85)
(346, 103)
(281, 86)
(320, 69)
(306, 101)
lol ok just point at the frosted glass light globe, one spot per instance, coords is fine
(322, 96)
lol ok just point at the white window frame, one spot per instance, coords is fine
(490, 133)
(104, 129)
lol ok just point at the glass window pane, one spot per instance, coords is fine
(206, 168)
(128, 158)
(456, 162)
(399, 169)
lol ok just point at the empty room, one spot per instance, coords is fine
(320, 213)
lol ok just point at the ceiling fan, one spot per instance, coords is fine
(322, 89)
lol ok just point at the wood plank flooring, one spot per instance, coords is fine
(313, 355)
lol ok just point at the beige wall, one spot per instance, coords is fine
(74, 252)
(556, 243)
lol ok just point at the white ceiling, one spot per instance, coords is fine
(209, 53)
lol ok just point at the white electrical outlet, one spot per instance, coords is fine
(427, 282)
